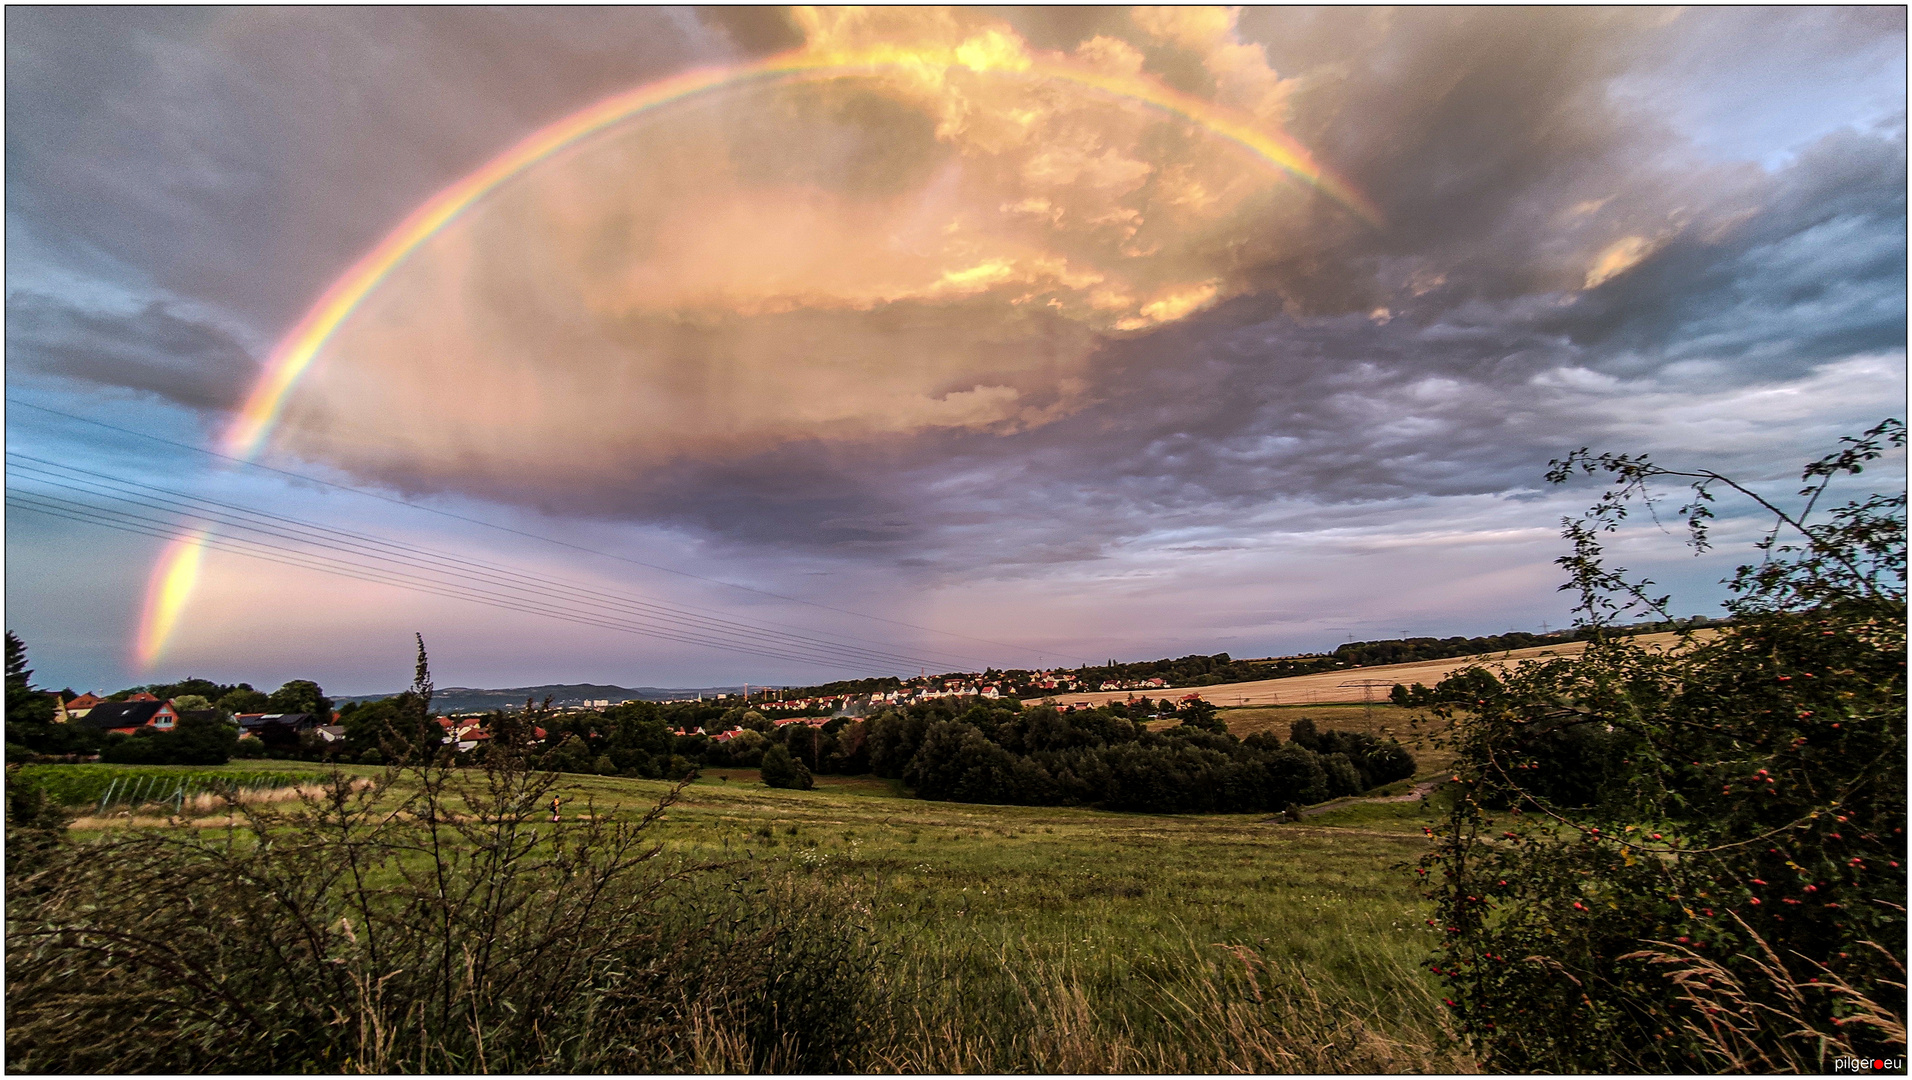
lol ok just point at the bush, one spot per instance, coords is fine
(196, 741)
(424, 921)
(1693, 860)
(780, 770)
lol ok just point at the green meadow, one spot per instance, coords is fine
(1064, 939)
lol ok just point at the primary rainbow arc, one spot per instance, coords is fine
(173, 577)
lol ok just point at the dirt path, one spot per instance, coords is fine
(1417, 792)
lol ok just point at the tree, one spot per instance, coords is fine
(956, 761)
(743, 751)
(780, 770)
(198, 740)
(1693, 859)
(300, 696)
(24, 703)
(1202, 714)
(29, 719)
(205, 688)
(1302, 733)
(372, 723)
(805, 743)
(244, 699)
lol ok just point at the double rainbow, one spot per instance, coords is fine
(173, 576)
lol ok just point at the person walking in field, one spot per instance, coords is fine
(556, 801)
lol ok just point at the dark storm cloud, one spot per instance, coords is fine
(153, 350)
(1805, 267)
(247, 154)
(1206, 419)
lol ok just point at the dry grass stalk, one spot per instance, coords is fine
(1261, 1017)
(1770, 1026)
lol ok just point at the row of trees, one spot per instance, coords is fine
(966, 751)
(1409, 650)
(1043, 757)
(1000, 752)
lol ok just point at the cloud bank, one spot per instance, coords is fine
(956, 322)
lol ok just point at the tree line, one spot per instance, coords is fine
(964, 750)
(1001, 752)
(1409, 650)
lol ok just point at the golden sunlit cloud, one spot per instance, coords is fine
(921, 244)
(1619, 257)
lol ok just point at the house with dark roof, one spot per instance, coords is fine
(277, 726)
(127, 717)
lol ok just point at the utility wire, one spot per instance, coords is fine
(292, 557)
(53, 506)
(516, 589)
(417, 585)
(518, 532)
(248, 518)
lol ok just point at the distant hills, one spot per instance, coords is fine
(453, 699)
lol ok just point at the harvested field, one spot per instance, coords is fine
(1328, 687)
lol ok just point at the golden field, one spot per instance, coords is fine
(1334, 686)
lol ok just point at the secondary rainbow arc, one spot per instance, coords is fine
(295, 353)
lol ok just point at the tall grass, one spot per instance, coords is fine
(1204, 1009)
(1764, 1019)
(441, 925)
(742, 930)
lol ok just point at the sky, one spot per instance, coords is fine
(906, 339)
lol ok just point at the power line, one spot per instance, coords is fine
(290, 557)
(416, 558)
(52, 506)
(402, 571)
(516, 532)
